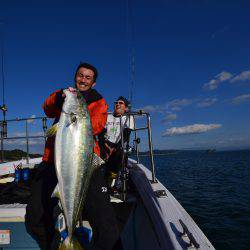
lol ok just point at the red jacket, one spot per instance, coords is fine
(98, 115)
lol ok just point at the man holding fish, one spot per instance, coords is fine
(71, 168)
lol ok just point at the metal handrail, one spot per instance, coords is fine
(4, 136)
(25, 119)
(150, 144)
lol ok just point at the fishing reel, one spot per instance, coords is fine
(128, 150)
(3, 108)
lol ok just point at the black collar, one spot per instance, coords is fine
(91, 95)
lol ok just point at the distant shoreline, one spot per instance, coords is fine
(174, 152)
(17, 154)
(159, 154)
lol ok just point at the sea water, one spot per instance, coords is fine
(214, 188)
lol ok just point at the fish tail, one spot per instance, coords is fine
(70, 244)
(51, 131)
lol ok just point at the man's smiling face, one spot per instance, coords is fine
(84, 79)
(120, 107)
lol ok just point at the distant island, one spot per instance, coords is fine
(159, 152)
(17, 154)
(178, 151)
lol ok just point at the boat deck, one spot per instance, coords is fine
(150, 218)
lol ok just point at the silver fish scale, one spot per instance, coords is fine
(73, 157)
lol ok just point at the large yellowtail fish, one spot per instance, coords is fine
(74, 160)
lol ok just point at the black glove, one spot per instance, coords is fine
(59, 99)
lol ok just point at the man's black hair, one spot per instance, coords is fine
(87, 66)
(124, 100)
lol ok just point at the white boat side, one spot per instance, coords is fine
(166, 212)
(14, 212)
(157, 216)
(8, 167)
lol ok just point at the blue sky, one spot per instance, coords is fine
(192, 62)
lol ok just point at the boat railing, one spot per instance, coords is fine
(4, 133)
(146, 127)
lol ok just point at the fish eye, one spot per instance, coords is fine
(73, 117)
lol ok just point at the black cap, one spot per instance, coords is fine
(124, 100)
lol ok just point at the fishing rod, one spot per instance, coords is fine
(3, 107)
(3, 123)
(131, 50)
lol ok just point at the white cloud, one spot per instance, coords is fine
(178, 104)
(174, 105)
(243, 76)
(31, 120)
(191, 129)
(207, 102)
(223, 76)
(236, 142)
(176, 109)
(154, 108)
(211, 85)
(170, 117)
(214, 83)
(241, 98)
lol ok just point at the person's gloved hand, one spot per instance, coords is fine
(61, 96)
(70, 89)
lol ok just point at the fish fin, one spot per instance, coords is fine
(72, 244)
(52, 130)
(56, 192)
(97, 161)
